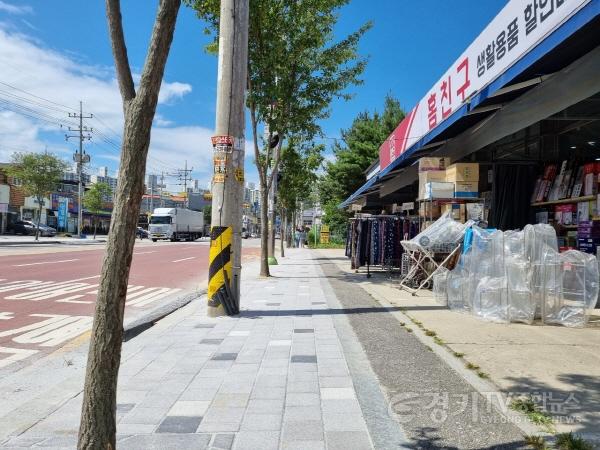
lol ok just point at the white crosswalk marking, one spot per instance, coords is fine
(52, 292)
(7, 315)
(16, 354)
(151, 297)
(52, 331)
(73, 299)
(16, 285)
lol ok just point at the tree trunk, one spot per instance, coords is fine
(98, 417)
(37, 229)
(95, 226)
(264, 233)
(282, 233)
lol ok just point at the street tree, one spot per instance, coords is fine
(94, 200)
(97, 428)
(295, 70)
(354, 153)
(40, 174)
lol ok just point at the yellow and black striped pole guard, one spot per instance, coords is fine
(219, 262)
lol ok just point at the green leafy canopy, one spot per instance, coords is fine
(39, 173)
(95, 198)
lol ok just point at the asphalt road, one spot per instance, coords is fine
(47, 293)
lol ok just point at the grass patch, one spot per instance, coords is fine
(417, 323)
(528, 407)
(472, 366)
(570, 441)
(536, 442)
(328, 245)
(438, 340)
(458, 354)
(402, 324)
(430, 333)
(482, 374)
(409, 329)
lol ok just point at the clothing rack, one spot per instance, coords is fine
(374, 240)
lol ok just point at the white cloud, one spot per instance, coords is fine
(61, 78)
(14, 9)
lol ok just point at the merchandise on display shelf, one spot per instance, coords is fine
(438, 189)
(428, 177)
(464, 189)
(433, 164)
(463, 172)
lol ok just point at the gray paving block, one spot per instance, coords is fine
(224, 356)
(303, 386)
(302, 399)
(292, 413)
(60, 441)
(304, 330)
(303, 359)
(265, 406)
(295, 376)
(218, 427)
(123, 408)
(303, 445)
(230, 415)
(199, 394)
(179, 424)
(347, 406)
(327, 382)
(222, 400)
(24, 441)
(266, 392)
(344, 422)
(134, 428)
(211, 341)
(261, 422)
(253, 440)
(204, 325)
(343, 440)
(303, 430)
(166, 441)
(148, 416)
(223, 441)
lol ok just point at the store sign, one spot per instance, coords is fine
(408, 206)
(519, 27)
(4, 193)
(63, 206)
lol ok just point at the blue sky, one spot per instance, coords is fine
(59, 51)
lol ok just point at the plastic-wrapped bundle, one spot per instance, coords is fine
(514, 243)
(570, 287)
(521, 302)
(443, 231)
(440, 278)
(491, 301)
(486, 257)
(536, 237)
(457, 284)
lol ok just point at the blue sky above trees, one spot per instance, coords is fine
(60, 52)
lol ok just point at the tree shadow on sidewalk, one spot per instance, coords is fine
(578, 404)
(427, 438)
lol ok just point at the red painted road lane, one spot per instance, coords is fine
(58, 303)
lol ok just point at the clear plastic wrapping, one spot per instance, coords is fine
(490, 301)
(443, 231)
(440, 279)
(521, 302)
(569, 287)
(457, 283)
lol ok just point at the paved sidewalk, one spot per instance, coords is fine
(557, 365)
(276, 377)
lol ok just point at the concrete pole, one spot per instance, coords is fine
(228, 145)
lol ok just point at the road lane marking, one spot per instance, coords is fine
(183, 259)
(6, 315)
(17, 354)
(45, 262)
(144, 253)
(73, 299)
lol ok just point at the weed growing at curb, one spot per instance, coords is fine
(528, 407)
(438, 341)
(482, 374)
(536, 442)
(402, 324)
(458, 354)
(409, 329)
(430, 333)
(472, 366)
(429, 348)
(417, 323)
(570, 441)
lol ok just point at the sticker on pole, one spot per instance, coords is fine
(220, 163)
(219, 178)
(222, 143)
(239, 174)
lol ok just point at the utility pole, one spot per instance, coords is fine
(80, 157)
(162, 183)
(182, 176)
(228, 158)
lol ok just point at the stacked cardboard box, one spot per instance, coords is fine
(431, 170)
(430, 210)
(465, 177)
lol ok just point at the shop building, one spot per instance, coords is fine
(524, 98)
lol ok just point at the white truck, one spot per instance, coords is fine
(176, 224)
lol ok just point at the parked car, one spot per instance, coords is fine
(27, 227)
